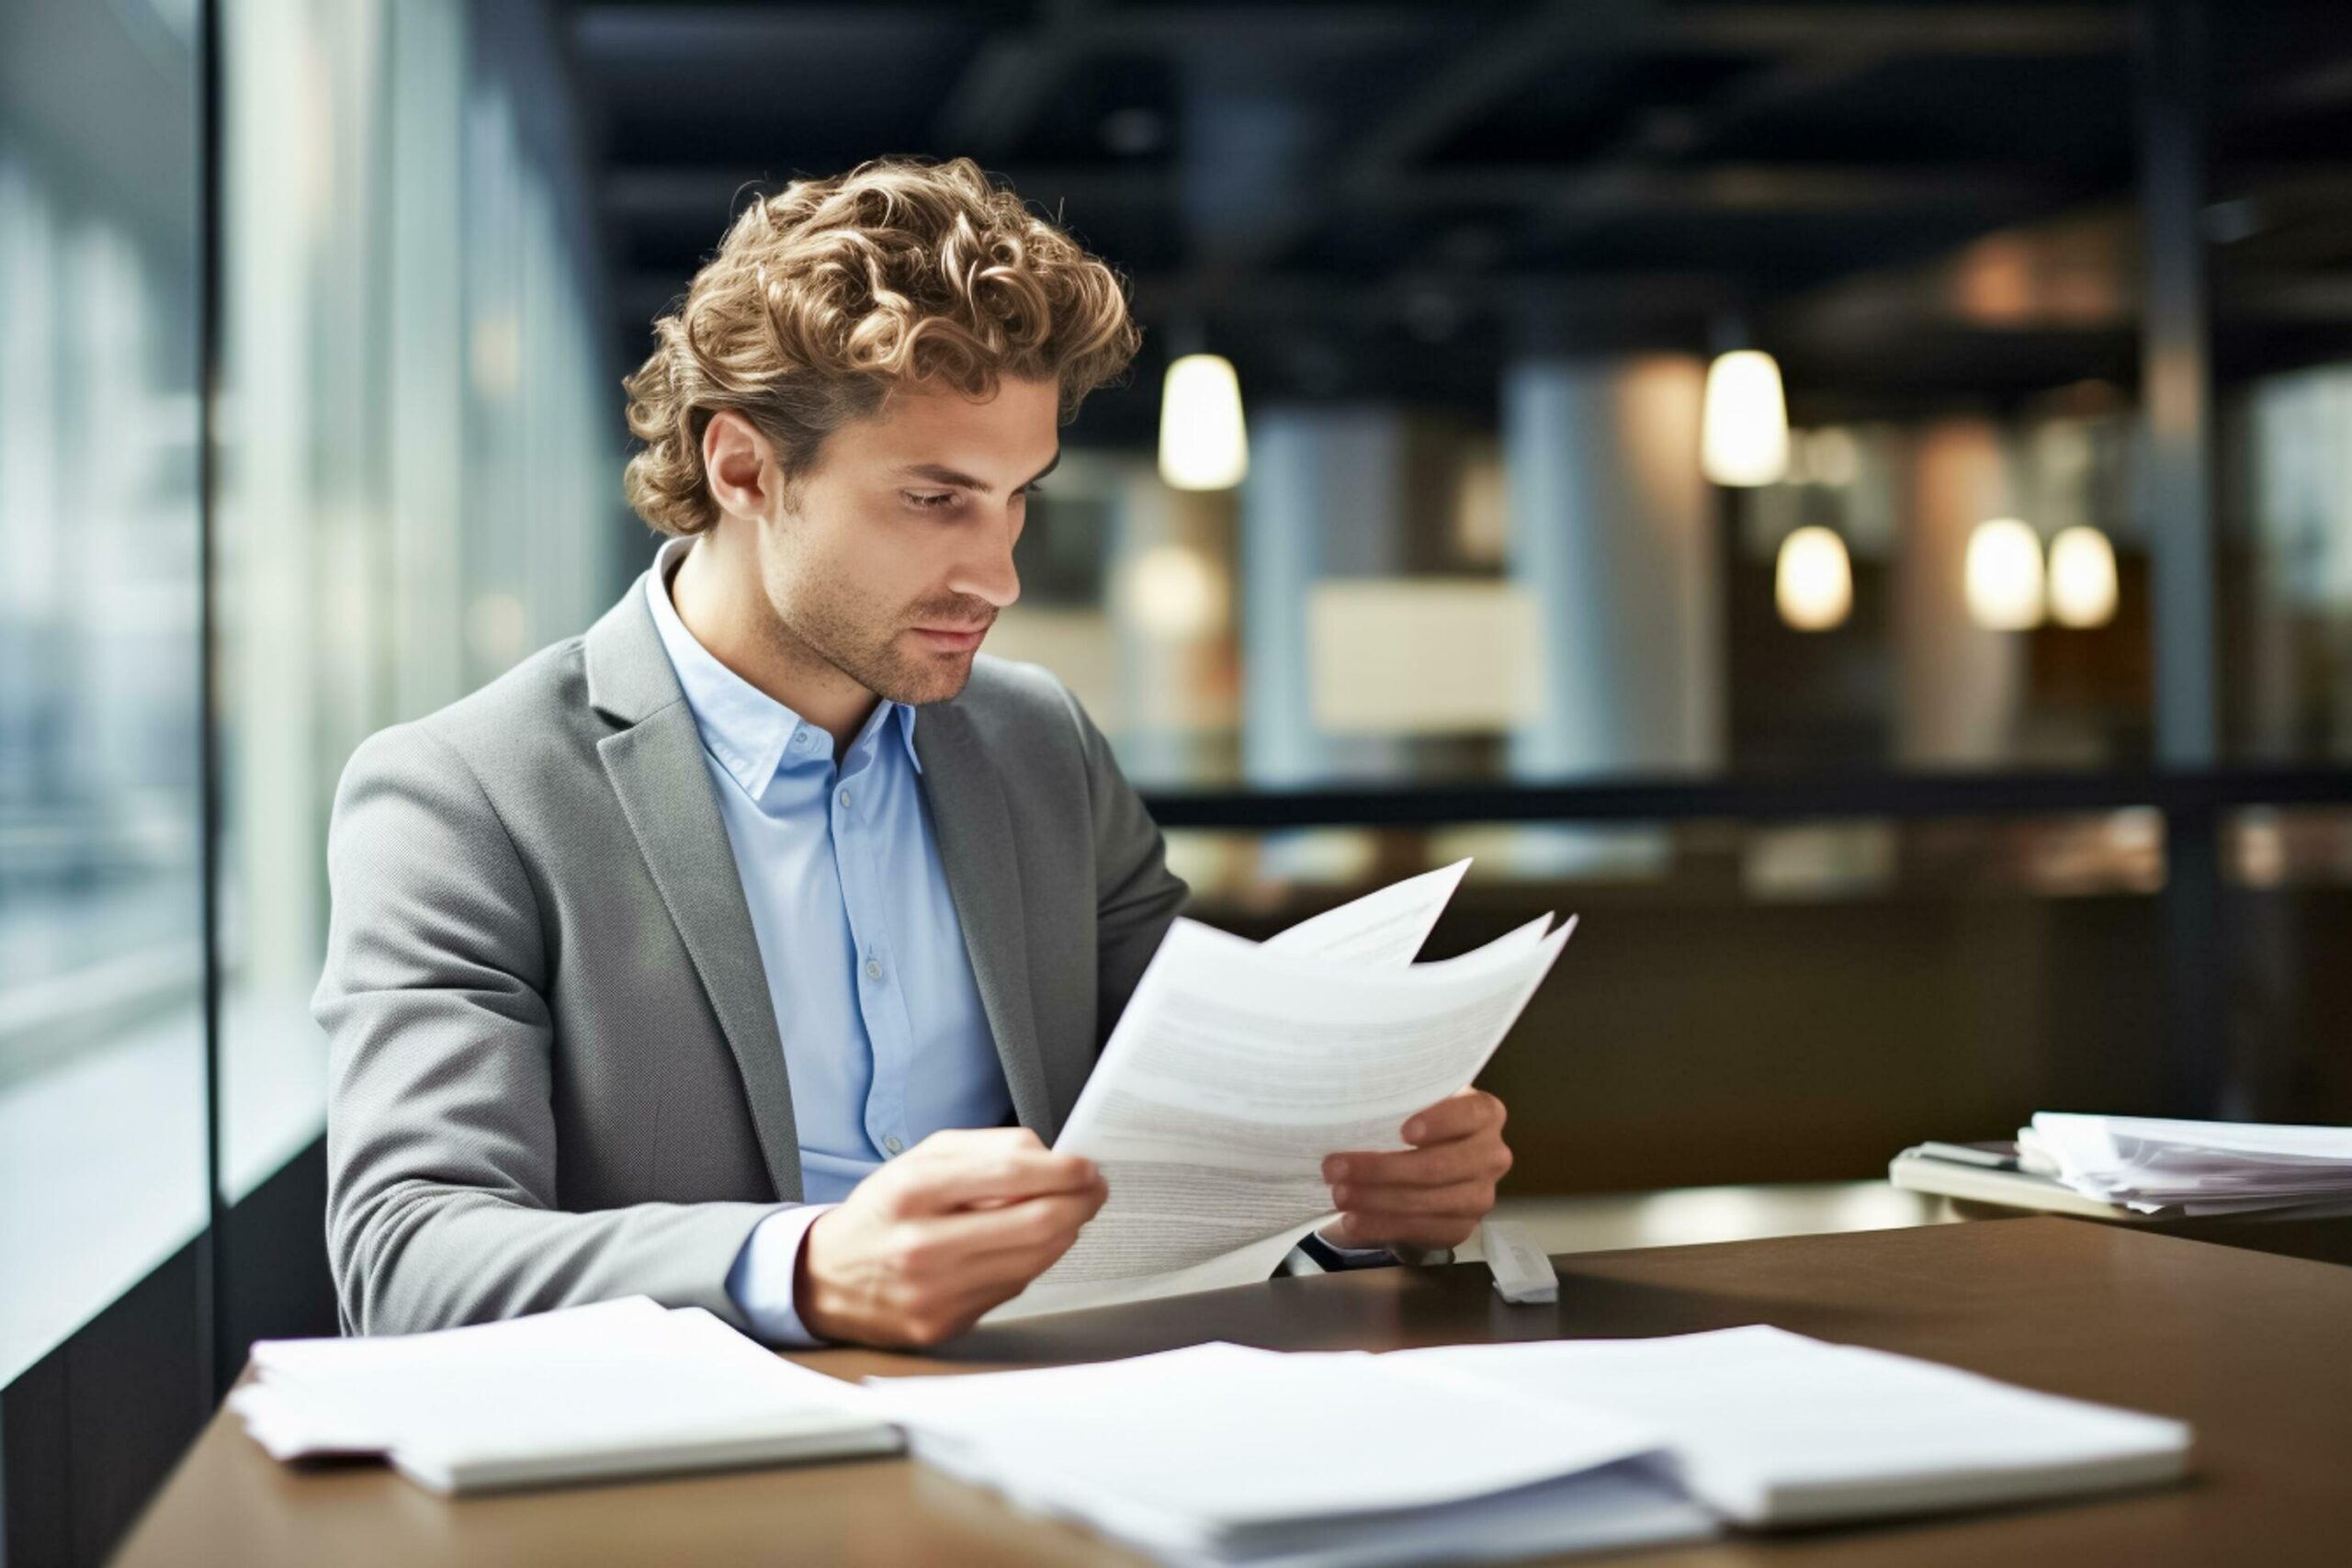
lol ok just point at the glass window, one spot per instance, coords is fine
(102, 1110)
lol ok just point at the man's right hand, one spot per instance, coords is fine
(957, 1225)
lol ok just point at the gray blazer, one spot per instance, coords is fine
(555, 1073)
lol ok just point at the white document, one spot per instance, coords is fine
(618, 1388)
(1382, 929)
(1222, 1453)
(1238, 1066)
(1770, 1427)
(2153, 1165)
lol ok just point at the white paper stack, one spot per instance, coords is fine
(1219, 1454)
(2192, 1168)
(620, 1388)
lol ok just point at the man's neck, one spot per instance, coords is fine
(718, 596)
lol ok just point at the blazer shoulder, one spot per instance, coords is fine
(534, 714)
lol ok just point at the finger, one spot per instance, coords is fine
(1400, 1230)
(956, 1176)
(1030, 1225)
(1478, 1156)
(1455, 1116)
(1470, 1198)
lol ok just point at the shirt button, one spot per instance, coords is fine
(892, 1144)
(873, 969)
(800, 739)
(845, 797)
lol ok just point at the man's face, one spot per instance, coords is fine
(894, 554)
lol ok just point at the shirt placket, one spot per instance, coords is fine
(856, 806)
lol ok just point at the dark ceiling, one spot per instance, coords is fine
(1905, 201)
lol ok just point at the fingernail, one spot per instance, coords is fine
(1413, 1130)
(1341, 1197)
(1335, 1169)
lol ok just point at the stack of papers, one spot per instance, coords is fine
(1219, 1454)
(620, 1388)
(1238, 1066)
(2148, 1166)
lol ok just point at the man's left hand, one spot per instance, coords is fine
(1433, 1194)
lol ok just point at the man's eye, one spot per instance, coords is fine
(931, 502)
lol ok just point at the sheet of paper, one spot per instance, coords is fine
(1233, 1071)
(1382, 929)
(1773, 1428)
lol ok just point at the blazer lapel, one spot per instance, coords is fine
(976, 850)
(656, 769)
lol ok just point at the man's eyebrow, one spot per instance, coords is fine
(938, 473)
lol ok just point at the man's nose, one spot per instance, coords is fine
(987, 571)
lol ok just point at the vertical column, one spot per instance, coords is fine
(1959, 686)
(2178, 397)
(1325, 498)
(1612, 533)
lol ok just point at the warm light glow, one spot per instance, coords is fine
(2082, 577)
(1744, 433)
(1201, 443)
(1814, 583)
(2004, 587)
(1174, 594)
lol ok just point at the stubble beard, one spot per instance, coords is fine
(829, 620)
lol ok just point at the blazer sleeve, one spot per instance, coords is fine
(441, 1147)
(1137, 898)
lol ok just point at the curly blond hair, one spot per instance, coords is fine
(825, 296)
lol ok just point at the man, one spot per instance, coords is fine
(748, 951)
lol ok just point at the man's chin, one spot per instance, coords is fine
(933, 677)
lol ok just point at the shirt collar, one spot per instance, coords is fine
(750, 732)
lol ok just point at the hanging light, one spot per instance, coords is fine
(2004, 575)
(1813, 580)
(1203, 444)
(1744, 430)
(2082, 577)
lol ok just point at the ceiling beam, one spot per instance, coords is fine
(614, 34)
(993, 103)
(692, 194)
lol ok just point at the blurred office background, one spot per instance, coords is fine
(1979, 746)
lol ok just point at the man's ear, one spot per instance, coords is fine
(738, 465)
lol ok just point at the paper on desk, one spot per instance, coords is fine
(594, 1389)
(2197, 1167)
(1236, 1069)
(1773, 1428)
(1198, 1445)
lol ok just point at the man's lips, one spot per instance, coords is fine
(953, 640)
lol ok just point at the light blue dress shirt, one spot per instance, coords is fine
(885, 1038)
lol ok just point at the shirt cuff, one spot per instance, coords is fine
(760, 1283)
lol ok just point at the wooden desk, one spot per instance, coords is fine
(2256, 1349)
